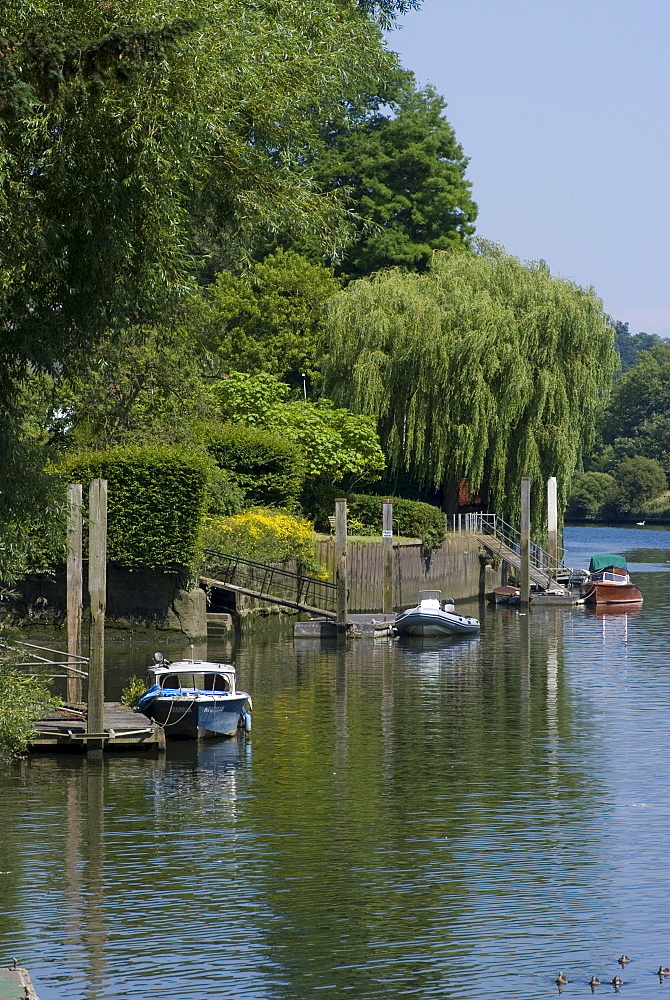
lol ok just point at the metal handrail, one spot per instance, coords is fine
(267, 580)
(492, 524)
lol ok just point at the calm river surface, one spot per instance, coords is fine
(457, 819)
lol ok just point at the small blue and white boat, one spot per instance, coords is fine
(433, 617)
(194, 699)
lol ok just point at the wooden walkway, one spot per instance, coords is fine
(123, 729)
(297, 605)
(15, 985)
(542, 578)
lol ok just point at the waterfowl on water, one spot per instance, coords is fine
(624, 960)
(664, 971)
(561, 979)
(594, 981)
(616, 981)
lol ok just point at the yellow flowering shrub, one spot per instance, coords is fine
(265, 536)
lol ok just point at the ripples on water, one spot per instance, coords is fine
(454, 819)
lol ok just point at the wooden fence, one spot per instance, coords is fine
(455, 568)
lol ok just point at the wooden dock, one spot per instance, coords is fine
(123, 730)
(15, 984)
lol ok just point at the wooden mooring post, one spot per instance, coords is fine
(524, 544)
(387, 544)
(74, 589)
(341, 562)
(97, 589)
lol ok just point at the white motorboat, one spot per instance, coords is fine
(194, 699)
(434, 617)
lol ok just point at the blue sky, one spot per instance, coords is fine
(563, 109)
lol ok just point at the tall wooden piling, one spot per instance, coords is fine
(524, 544)
(341, 561)
(74, 589)
(97, 589)
(387, 555)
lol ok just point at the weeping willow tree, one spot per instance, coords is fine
(483, 369)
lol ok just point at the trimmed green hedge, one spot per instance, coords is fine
(269, 468)
(157, 497)
(412, 518)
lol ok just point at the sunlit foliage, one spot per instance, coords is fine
(484, 369)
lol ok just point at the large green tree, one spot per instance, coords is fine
(640, 395)
(402, 172)
(483, 369)
(269, 318)
(628, 345)
(136, 136)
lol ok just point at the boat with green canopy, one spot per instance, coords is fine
(609, 582)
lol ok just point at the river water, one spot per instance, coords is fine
(457, 819)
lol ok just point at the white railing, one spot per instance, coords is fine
(490, 524)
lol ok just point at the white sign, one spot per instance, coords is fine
(387, 534)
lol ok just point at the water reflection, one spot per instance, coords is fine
(406, 818)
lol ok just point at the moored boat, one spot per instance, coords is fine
(432, 617)
(609, 582)
(194, 699)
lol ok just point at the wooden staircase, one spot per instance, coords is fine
(542, 578)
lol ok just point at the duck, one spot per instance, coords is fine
(616, 981)
(624, 960)
(561, 979)
(594, 981)
(663, 971)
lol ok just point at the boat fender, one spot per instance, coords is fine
(244, 722)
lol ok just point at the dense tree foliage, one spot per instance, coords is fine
(589, 493)
(269, 318)
(638, 480)
(336, 444)
(137, 139)
(484, 369)
(640, 395)
(403, 173)
(144, 385)
(628, 345)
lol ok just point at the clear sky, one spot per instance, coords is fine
(564, 110)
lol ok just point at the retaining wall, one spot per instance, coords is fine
(458, 568)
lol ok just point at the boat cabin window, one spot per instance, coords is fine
(171, 681)
(198, 681)
(215, 682)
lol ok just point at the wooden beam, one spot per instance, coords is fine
(74, 587)
(387, 555)
(97, 589)
(341, 561)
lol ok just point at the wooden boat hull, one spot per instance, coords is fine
(184, 718)
(598, 592)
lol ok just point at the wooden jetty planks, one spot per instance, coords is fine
(122, 729)
(15, 984)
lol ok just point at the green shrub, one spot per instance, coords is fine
(24, 699)
(268, 467)
(225, 496)
(156, 501)
(262, 535)
(133, 690)
(412, 518)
